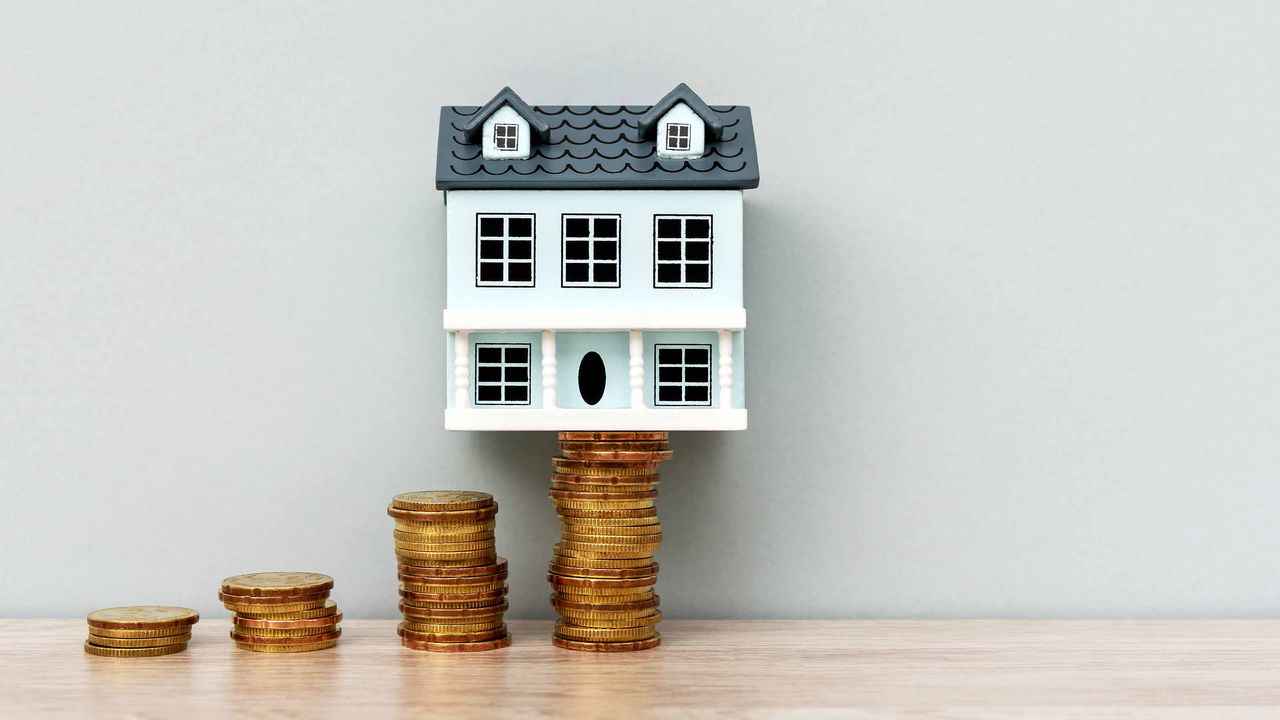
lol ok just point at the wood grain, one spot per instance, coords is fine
(704, 669)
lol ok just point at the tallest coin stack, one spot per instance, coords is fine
(602, 573)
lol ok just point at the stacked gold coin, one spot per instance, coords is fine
(139, 630)
(453, 585)
(282, 612)
(602, 573)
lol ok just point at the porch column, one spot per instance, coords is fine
(726, 369)
(548, 368)
(636, 351)
(461, 369)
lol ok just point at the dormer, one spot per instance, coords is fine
(681, 125)
(506, 127)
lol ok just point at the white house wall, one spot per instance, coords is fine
(681, 113)
(636, 208)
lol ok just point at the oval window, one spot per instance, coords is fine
(591, 378)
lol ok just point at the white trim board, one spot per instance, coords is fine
(497, 418)
(596, 319)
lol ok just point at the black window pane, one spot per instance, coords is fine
(489, 373)
(606, 273)
(696, 393)
(577, 249)
(607, 227)
(577, 227)
(520, 272)
(668, 227)
(517, 393)
(697, 228)
(697, 374)
(697, 251)
(577, 272)
(697, 274)
(520, 227)
(697, 356)
(669, 374)
(491, 227)
(491, 249)
(606, 249)
(517, 355)
(489, 393)
(519, 373)
(489, 354)
(669, 393)
(669, 251)
(668, 274)
(520, 249)
(491, 272)
(669, 356)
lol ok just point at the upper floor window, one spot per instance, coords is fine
(506, 136)
(590, 250)
(504, 250)
(682, 251)
(677, 136)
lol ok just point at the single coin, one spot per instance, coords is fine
(483, 552)
(447, 604)
(417, 537)
(267, 612)
(442, 500)
(596, 467)
(255, 640)
(586, 525)
(567, 558)
(570, 570)
(275, 584)
(100, 651)
(457, 647)
(630, 457)
(607, 514)
(414, 562)
(620, 445)
(114, 642)
(613, 435)
(307, 632)
(274, 609)
(477, 636)
(601, 505)
(611, 583)
(592, 598)
(308, 647)
(574, 632)
(625, 552)
(445, 517)
(460, 581)
(611, 497)
(498, 566)
(588, 646)
(653, 527)
(274, 600)
(440, 547)
(604, 538)
(297, 624)
(610, 489)
(649, 621)
(132, 617)
(619, 481)
(560, 603)
(452, 590)
(451, 628)
(445, 530)
(478, 613)
(140, 632)
(415, 598)
(586, 617)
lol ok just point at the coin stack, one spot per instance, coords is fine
(453, 585)
(602, 573)
(282, 612)
(139, 630)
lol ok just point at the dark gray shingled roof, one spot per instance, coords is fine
(598, 147)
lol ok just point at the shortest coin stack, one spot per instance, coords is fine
(139, 630)
(282, 612)
(453, 585)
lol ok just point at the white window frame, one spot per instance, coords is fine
(502, 366)
(591, 261)
(683, 261)
(678, 137)
(506, 260)
(503, 132)
(683, 384)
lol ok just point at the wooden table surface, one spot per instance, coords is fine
(721, 669)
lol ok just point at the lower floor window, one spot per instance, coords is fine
(502, 374)
(682, 375)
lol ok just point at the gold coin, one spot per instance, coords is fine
(613, 435)
(574, 632)
(562, 604)
(612, 497)
(455, 589)
(272, 600)
(586, 617)
(286, 648)
(454, 628)
(602, 505)
(260, 632)
(275, 584)
(592, 552)
(416, 537)
(608, 489)
(241, 637)
(593, 583)
(132, 617)
(267, 612)
(442, 500)
(569, 570)
(445, 517)
(601, 563)
(465, 581)
(607, 513)
(415, 598)
(100, 651)
(621, 456)
(449, 614)
(477, 636)
(603, 538)
(250, 609)
(603, 599)
(484, 552)
(571, 525)
(445, 605)
(327, 621)
(594, 467)
(648, 621)
(434, 529)
(588, 646)
(481, 646)
(637, 446)
(114, 642)
(436, 547)
(430, 571)
(478, 561)
(141, 632)
(620, 482)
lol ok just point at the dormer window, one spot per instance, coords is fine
(677, 136)
(506, 137)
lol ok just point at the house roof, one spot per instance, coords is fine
(598, 147)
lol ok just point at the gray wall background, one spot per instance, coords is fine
(1014, 343)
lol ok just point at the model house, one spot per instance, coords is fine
(595, 264)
